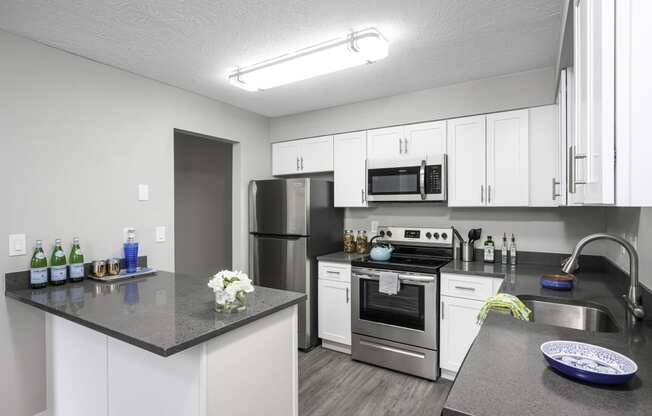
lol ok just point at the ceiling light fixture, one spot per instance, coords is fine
(358, 48)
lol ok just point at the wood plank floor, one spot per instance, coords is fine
(330, 383)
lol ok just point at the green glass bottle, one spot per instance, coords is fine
(58, 265)
(38, 274)
(76, 260)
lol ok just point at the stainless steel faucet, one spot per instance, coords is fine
(570, 265)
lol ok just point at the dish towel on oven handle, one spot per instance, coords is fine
(388, 283)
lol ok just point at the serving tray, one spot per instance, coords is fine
(140, 271)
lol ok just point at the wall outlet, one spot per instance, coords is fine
(374, 227)
(160, 234)
(17, 245)
(143, 192)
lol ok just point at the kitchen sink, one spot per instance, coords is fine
(570, 314)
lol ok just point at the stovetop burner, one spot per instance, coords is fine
(404, 263)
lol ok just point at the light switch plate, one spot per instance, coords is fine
(143, 192)
(17, 245)
(160, 234)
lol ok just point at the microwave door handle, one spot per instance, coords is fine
(422, 179)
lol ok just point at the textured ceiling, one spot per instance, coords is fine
(192, 44)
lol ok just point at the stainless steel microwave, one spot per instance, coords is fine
(407, 179)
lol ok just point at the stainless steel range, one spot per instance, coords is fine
(400, 331)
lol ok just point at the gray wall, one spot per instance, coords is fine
(525, 89)
(536, 229)
(202, 204)
(635, 225)
(77, 138)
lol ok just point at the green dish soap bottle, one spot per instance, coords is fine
(38, 273)
(489, 250)
(58, 265)
(76, 260)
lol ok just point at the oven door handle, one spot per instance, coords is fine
(403, 278)
(422, 179)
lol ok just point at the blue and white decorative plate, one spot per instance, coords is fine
(589, 362)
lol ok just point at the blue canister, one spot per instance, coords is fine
(131, 252)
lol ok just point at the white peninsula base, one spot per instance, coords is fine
(252, 370)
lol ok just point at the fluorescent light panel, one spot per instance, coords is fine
(358, 48)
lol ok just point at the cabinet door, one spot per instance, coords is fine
(545, 175)
(334, 312)
(507, 159)
(285, 158)
(385, 143)
(458, 330)
(316, 154)
(466, 161)
(350, 176)
(593, 155)
(425, 139)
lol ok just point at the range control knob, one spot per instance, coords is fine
(436, 236)
(381, 233)
(428, 235)
(389, 233)
(444, 236)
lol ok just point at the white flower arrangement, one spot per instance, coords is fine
(230, 286)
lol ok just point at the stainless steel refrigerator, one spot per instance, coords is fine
(291, 222)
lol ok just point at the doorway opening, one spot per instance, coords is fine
(203, 212)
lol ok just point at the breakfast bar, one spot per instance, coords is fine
(156, 346)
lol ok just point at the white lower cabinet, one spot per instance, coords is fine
(458, 330)
(462, 297)
(334, 306)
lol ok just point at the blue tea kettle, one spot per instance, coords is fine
(380, 251)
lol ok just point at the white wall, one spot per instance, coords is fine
(525, 89)
(635, 225)
(76, 139)
(555, 230)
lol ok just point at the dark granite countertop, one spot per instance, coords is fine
(505, 373)
(164, 313)
(340, 257)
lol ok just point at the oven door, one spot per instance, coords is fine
(409, 317)
(395, 180)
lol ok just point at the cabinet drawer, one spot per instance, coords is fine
(340, 272)
(465, 286)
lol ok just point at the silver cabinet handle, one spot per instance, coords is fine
(298, 163)
(301, 162)
(332, 272)
(572, 169)
(406, 142)
(471, 289)
(442, 310)
(347, 295)
(482, 194)
(362, 195)
(488, 194)
(400, 146)
(554, 189)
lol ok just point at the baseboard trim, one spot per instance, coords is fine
(336, 346)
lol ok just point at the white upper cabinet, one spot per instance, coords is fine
(317, 154)
(633, 98)
(415, 141)
(285, 158)
(466, 161)
(303, 156)
(385, 143)
(507, 159)
(350, 173)
(425, 139)
(546, 180)
(592, 154)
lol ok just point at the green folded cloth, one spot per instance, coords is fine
(505, 302)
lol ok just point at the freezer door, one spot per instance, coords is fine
(283, 263)
(279, 206)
